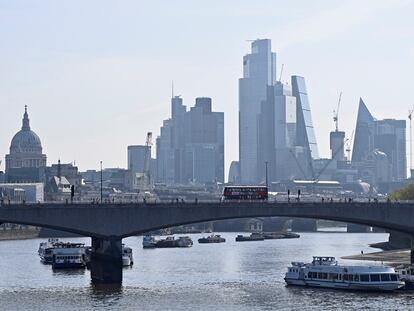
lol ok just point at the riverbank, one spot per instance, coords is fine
(401, 256)
(18, 234)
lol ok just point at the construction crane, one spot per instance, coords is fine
(348, 146)
(336, 113)
(297, 163)
(281, 73)
(147, 158)
(329, 161)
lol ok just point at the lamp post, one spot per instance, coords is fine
(101, 183)
(267, 183)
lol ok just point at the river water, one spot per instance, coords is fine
(227, 276)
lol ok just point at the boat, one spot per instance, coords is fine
(149, 241)
(184, 241)
(253, 237)
(45, 250)
(280, 235)
(326, 272)
(406, 273)
(170, 242)
(214, 238)
(68, 255)
(127, 258)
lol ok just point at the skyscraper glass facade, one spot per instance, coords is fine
(305, 133)
(259, 71)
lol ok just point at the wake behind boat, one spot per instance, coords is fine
(325, 272)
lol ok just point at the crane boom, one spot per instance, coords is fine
(336, 113)
(281, 73)
(147, 157)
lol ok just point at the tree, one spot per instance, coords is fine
(406, 193)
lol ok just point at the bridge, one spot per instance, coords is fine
(108, 224)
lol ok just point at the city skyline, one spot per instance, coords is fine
(80, 91)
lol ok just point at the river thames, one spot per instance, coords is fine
(227, 276)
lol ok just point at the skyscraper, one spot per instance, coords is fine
(190, 147)
(364, 139)
(137, 157)
(276, 130)
(386, 137)
(305, 133)
(259, 71)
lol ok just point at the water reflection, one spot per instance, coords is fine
(68, 272)
(107, 295)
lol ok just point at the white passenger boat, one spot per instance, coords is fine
(68, 255)
(127, 258)
(406, 273)
(326, 272)
(45, 250)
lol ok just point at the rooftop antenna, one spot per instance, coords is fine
(336, 113)
(172, 89)
(281, 72)
(410, 113)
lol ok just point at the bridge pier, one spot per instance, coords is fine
(106, 261)
(412, 250)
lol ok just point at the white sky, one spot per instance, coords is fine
(97, 75)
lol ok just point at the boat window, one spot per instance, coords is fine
(345, 277)
(364, 278)
(393, 277)
(356, 277)
(333, 276)
(375, 278)
(385, 277)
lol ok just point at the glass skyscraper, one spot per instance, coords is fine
(305, 133)
(259, 71)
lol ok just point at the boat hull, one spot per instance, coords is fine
(68, 265)
(384, 287)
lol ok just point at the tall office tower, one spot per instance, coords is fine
(305, 134)
(337, 140)
(204, 143)
(276, 130)
(364, 139)
(137, 156)
(373, 137)
(390, 138)
(170, 145)
(259, 70)
(165, 154)
(190, 147)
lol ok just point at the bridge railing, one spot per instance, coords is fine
(4, 203)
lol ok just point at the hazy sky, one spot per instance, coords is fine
(97, 75)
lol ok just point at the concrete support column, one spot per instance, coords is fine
(412, 251)
(106, 260)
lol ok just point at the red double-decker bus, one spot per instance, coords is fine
(245, 193)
